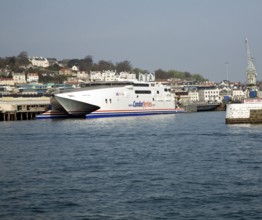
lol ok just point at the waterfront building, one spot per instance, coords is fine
(126, 75)
(238, 95)
(7, 81)
(95, 76)
(182, 97)
(107, 75)
(147, 77)
(19, 78)
(193, 96)
(209, 94)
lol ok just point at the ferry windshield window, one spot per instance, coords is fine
(143, 92)
(141, 85)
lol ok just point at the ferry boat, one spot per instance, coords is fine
(113, 99)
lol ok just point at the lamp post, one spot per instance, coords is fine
(227, 70)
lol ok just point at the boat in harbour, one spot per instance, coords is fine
(118, 98)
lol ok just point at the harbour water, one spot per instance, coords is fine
(185, 166)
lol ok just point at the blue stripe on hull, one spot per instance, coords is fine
(123, 114)
(51, 116)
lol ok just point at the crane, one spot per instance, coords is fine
(251, 70)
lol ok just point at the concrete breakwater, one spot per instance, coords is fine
(12, 109)
(255, 117)
(248, 112)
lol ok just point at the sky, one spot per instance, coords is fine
(204, 37)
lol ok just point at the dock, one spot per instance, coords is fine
(13, 109)
(245, 113)
(199, 107)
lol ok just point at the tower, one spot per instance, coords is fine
(251, 70)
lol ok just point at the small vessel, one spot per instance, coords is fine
(118, 98)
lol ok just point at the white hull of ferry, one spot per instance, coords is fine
(119, 100)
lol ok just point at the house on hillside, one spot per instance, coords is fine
(32, 77)
(39, 61)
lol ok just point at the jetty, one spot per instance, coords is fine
(13, 109)
(200, 107)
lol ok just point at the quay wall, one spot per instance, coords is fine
(12, 109)
(244, 113)
(197, 107)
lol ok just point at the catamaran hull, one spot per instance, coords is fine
(76, 108)
(118, 100)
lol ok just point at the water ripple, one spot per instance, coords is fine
(187, 166)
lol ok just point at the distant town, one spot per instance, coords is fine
(24, 76)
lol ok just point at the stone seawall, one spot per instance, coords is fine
(241, 113)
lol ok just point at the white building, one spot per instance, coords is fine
(19, 78)
(127, 76)
(193, 96)
(82, 75)
(39, 61)
(238, 94)
(146, 77)
(32, 77)
(103, 76)
(95, 76)
(75, 68)
(209, 95)
(108, 75)
(65, 72)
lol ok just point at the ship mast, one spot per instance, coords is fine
(251, 70)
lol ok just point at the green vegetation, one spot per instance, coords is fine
(21, 63)
(174, 74)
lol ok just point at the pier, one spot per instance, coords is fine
(198, 107)
(13, 109)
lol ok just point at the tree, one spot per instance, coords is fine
(124, 66)
(138, 70)
(187, 75)
(22, 59)
(105, 65)
(3, 63)
(73, 62)
(198, 77)
(23, 55)
(86, 64)
(161, 74)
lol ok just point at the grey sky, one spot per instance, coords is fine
(198, 36)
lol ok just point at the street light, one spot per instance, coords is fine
(227, 70)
